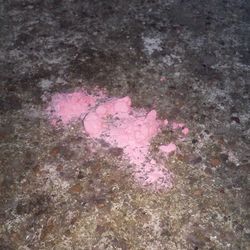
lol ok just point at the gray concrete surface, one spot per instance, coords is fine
(57, 194)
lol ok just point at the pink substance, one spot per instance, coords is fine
(115, 121)
(153, 176)
(163, 78)
(93, 124)
(69, 107)
(133, 133)
(185, 131)
(115, 107)
(176, 125)
(165, 122)
(181, 126)
(167, 149)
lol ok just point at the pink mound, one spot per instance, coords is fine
(69, 107)
(116, 122)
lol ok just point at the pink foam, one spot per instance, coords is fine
(116, 122)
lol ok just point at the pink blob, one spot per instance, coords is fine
(113, 120)
(122, 105)
(115, 107)
(93, 124)
(165, 122)
(69, 107)
(176, 125)
(185, 131)
(163, 78)
(167, 149)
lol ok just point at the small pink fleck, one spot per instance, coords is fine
(176, 125)
(165, 122)
(162, 79)
(185, 131)
(153, 162)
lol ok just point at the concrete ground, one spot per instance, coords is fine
(190, 60)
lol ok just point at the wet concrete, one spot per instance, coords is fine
(187, 59)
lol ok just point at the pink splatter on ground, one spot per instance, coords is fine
(168, 149)
(70, 107)
(184, 129)
(176, 125)
(115, 121)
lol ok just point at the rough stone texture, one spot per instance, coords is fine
(190, 60)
